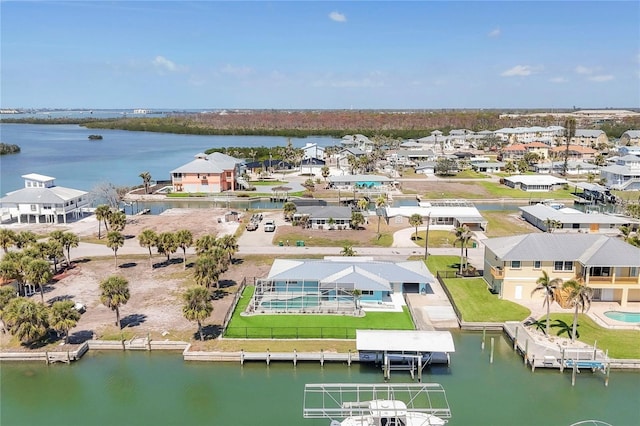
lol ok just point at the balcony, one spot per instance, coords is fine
(497, 273)
(613, 280)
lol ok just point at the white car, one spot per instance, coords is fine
(269, 225)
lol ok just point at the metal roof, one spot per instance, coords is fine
(325, 212)
(359, 178)
(568, 215)
(404, 340)
(51, 195)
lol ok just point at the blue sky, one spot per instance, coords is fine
(302, 54)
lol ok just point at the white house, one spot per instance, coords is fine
(624, 174)
(452, 213)
(572, 220)
(312, 150)
(41, 201)
(534, 183)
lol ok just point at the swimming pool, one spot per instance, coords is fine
(632, 317)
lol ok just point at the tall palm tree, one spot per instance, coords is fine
(549, 287)
(114, 292)
(39, 273)
(102, 212)
(463, 234)
(115, 240)
(363, 203)
(184, 239)
(415, 220)
(7, 239)
(197, 306)
(569, 133)
(7, 294)
(66, 240)
(206, 243)
(146, 179)
(26, 319)
(289, 209)
(380, 203)
(63, 317)
(579, 295)
(117, 221)
(167, 244)
(229, 244)
(325, 173)
(24, 238)
(148, 238)
(357, 219)
(206, 270)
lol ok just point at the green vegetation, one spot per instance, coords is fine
(470, 174)
(311, 326)
(186, 194)
(439, 239)
(501, 225)
(267, 182)
(502, 191)
(472, 298)
(385, 240)
(622, 344)
(6, 148)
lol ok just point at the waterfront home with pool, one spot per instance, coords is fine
(42, 201)
(335, 284)
(213, 173)
(512, 265)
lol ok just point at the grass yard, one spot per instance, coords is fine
(310, 326)
(472, 298)
(470, 174)
(501, 191)
(505, 223)
(622, 344)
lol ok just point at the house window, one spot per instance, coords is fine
(33, 207)
(560, 265)
(367, 292)
(600, 271)
(515, 264)
(537, 264)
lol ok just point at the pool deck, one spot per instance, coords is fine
(597, 310)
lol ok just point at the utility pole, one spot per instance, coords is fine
(426, 238)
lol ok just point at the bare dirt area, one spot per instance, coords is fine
(442, 188)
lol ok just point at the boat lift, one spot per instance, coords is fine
(341, 400)
(404, 350)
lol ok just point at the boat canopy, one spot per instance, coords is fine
(404, 341)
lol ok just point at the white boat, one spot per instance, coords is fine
(385, 404)
(385, 412)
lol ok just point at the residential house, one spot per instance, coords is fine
(573, 167)
(452, 213)
(312, 151)
(341, 159)
(586, 137)
(565, 219)
(630, 137)
(42, 201)
(324, 217)
(624, 174)
(409, 157)
(518, 151)
(512, 265)
(362, 183)
(546, 135)
(488, 167)
(534, 183)
(426, 168)
(213, 173)
(575, 152)
(327, 285)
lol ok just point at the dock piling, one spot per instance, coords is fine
(321, 357)
(484, 336)
(241, 356)
(526, 351)
(515, 339)
(295, 357)
(268, 357)
(492, 346)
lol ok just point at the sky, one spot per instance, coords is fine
(319, 54)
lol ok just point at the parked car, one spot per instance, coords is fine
(252, 226)
(269, 225)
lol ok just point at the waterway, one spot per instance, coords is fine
(140, 388)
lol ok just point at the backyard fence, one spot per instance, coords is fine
(232, 308)
(441, 275)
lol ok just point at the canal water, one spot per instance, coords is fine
(141, 388)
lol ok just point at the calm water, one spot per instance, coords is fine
(64, 152)
(138, 388)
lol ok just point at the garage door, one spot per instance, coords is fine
(411, 287)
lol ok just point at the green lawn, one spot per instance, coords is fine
(470, 174)
(267, 182)
(439, 238)
(336, 239)
(310, 326)
(498, 226)
(186, 194)
(473, 299)
(502, 191)
(622, 344)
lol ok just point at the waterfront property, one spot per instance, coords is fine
(512, 265)
(441, 212)
(566, 219)
(362, 183)
(534, 183)
(337, 285)
(42, 201)
(624, 174)
(324, 217)
(213, 173)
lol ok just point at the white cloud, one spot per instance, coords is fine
(558, 80)
(496, 32)
(163, 64)
(337, 17)
(520, 71)
(584, 70)
(601, 78)
(241, 71)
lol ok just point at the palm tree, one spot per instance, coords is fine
(380, 203)
(463, 234)
(357, 219)
(184, 239)
(325, 173)
(197, 306)
(66, 240)
(206, 271)
(167, 244)
(117, 221)
(347, 250)
(356, 293)
(115, 240)
(363, 203)
(206, 243)
(7, 293)
(148, 238)
(229, 244)
(289, 210)
(39, 273)
(103, 212)
(510, 168)
(549, 287)
(415, 220)
(24, 238)
(26, 319)
(114, 292)
(579, 295)
(569, 133)
(7, 239)
(63, 317)
(146, 179)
